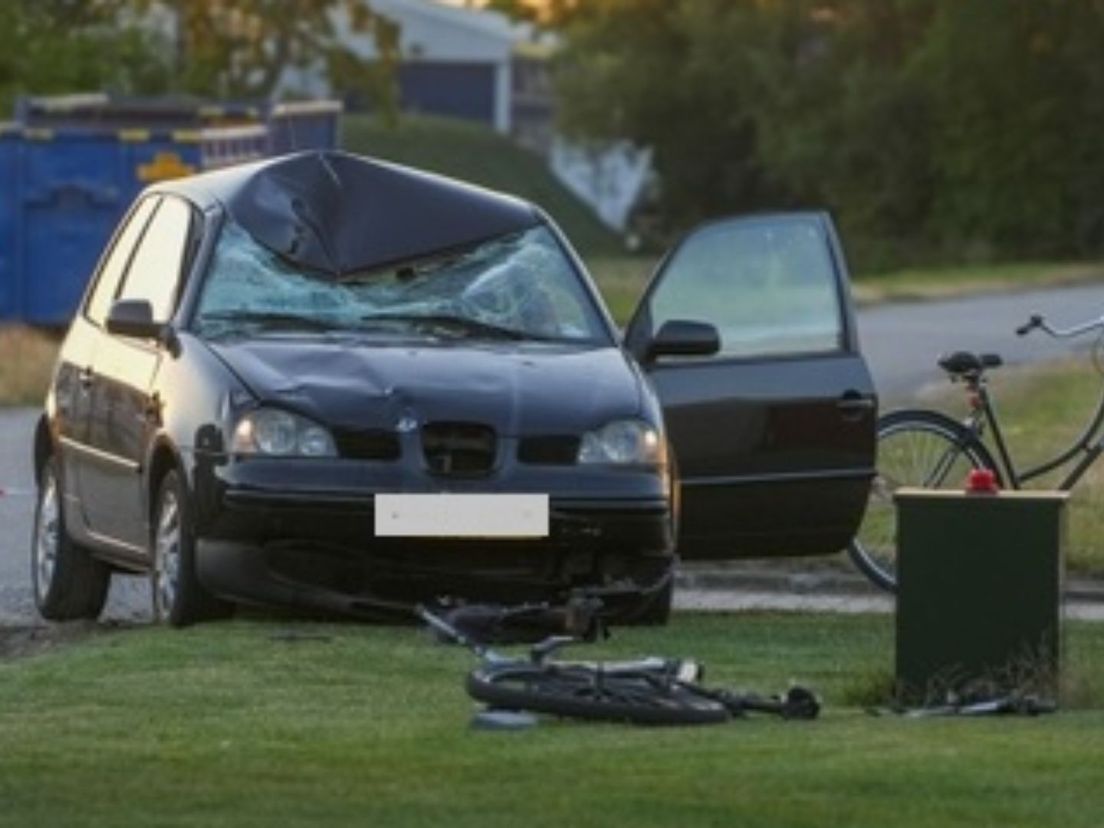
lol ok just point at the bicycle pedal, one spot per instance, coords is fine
(690, 671)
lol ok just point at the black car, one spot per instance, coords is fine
(328, 381)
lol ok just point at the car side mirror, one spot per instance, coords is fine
(681, 337)
(133, 317)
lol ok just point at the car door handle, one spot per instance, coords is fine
(852, 405)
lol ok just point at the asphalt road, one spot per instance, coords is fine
(16, 508)
(901, 343)
(129, 599)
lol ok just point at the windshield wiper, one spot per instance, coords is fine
(461, 323)
(270, 319)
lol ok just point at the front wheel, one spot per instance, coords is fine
(178, 596)
(916, 449)
(582, 693)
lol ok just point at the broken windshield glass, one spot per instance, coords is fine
(519, 286)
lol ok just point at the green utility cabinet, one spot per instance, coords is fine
(979, 585)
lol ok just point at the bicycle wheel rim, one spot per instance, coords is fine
(917, 450)
(585, 694)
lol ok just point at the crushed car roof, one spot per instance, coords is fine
(340, 213)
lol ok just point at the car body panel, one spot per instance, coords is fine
(357, 382)
(120, 427)
(70, 410)
(775, 450)
(789, 475)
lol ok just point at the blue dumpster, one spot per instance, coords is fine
(303, 125)
(72, 165)
(99, 110)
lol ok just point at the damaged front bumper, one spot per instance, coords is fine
(302, 533)
(320, 550)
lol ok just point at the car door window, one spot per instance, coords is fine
(107, 282)
(769, 286)
(154, 271)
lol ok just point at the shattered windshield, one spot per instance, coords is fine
(520, 286)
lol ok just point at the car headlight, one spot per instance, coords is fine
(623, 443)
(281, 434)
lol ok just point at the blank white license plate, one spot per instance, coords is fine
(462, 515)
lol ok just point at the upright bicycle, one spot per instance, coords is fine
(922, 448)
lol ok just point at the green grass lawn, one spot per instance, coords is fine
(945, 282)
(226, 725)
(622, 280)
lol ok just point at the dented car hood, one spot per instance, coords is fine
(518, 389)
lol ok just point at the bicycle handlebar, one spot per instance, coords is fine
(1034, 322)
(1039, 321)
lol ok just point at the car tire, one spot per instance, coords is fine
(68, 583)
(178, 597)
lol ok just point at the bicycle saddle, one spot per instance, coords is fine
(964, 363)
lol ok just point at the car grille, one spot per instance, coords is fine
(368, 444)
(461, 449)
(549, 450)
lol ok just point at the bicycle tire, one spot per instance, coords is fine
(585, 693)
(916, 448)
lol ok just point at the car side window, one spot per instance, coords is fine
(768, 285)
(154, 272)
(107, 281)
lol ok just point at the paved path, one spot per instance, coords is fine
(16, 508)
(129, 599)
(903, 341)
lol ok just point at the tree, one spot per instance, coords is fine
(841, 122)
(1016, 124)
(211, 48)
(928, 126)
(52, 46)
(240, 48)
(664, 74)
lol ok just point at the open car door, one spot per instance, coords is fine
(774, 431)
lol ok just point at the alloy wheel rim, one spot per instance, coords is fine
(167, 554)
(46, 538)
